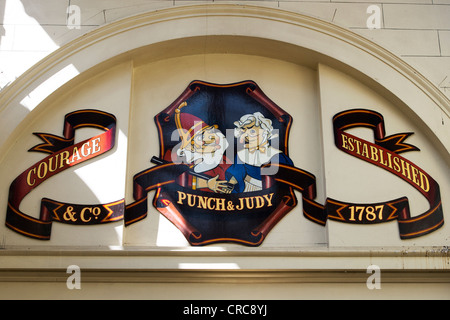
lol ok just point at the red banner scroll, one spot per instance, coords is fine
(64, 154)
(384, 153)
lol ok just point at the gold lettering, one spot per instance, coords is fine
(247, 199)
(350, 144)
(181, 197)
(40, 174)
(365, 152)
(210, 207)
(241, 202)
(53, 163)
(220, 204)
(396, 161)
(50, 161)
(70, 214)
(269, 199)
(202, 202)
(366, 212)
(424, 183)
(95, 146)
(344, 141)
(414, 178)
(405, 169)
(75, 154)
(389, 160)
(374, 153)
(358, 144)
(191, 203)
(259, 202)
(29, 182)
(382, 160)
(82, 214)
(64, 158)
(83, 150)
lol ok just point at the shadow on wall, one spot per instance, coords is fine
(2, 15)
(66, 20)
(2, 32)
(61, 23)
(30, 30)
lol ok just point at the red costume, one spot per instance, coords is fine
(189, 181)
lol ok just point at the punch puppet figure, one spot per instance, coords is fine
(202, 146)
(254, 132)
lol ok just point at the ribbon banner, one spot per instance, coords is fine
(384, 153)
(206, 218)
(63, 154)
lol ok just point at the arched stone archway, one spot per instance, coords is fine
(234, 29)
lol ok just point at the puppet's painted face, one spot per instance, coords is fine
(252, 135)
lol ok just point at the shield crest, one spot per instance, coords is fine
(221, 145)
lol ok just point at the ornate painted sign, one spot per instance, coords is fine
(221, 187)
(223, 173)
(213, 177)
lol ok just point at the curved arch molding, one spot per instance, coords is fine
(304, 39)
